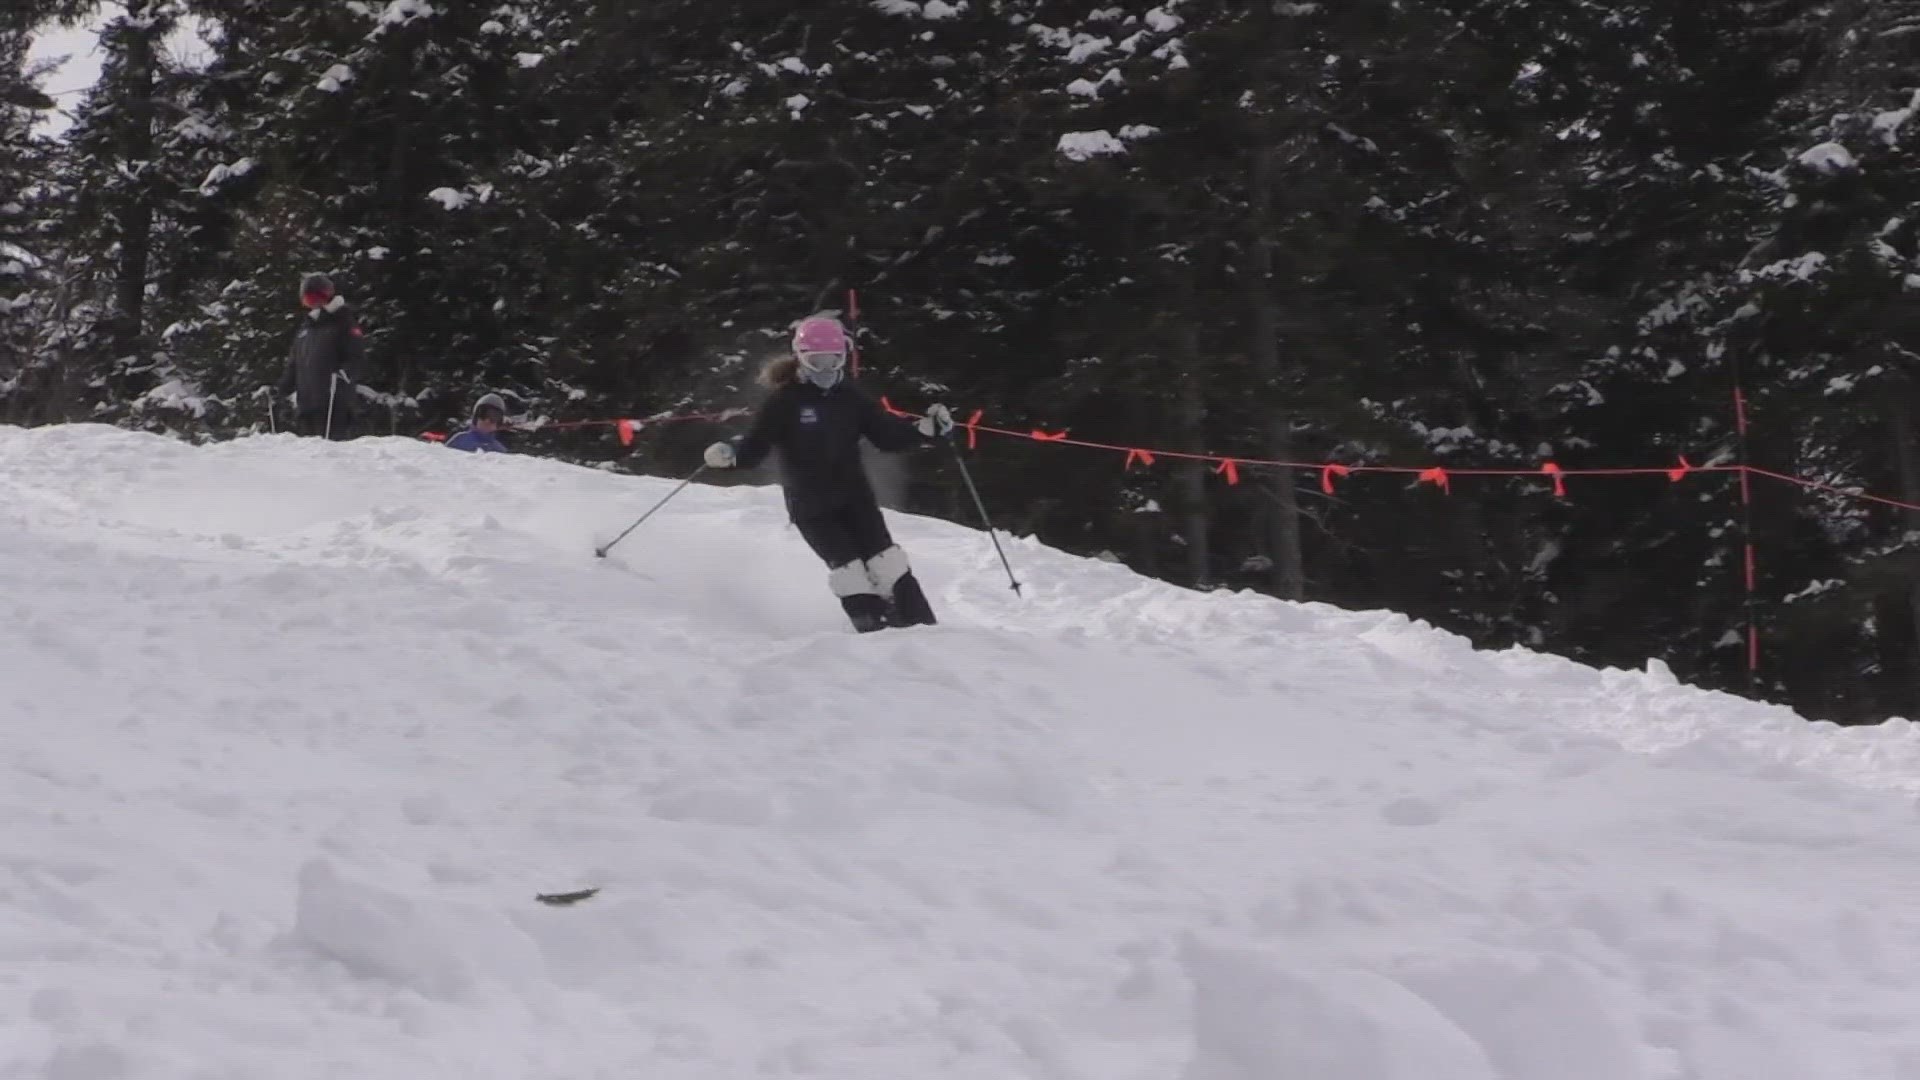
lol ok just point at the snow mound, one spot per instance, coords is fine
(374, 933)
(1253, 1019)
(296, 732)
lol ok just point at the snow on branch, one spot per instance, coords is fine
(337, 76)
(1829, 158)
(1800, 268)
(402, 12)
(220, 174)
(1084, 145)
(929, 9)
(1887, 125)
(453, 199)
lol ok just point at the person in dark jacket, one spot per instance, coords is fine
(816, 418)
(325, 364)
(489, 413)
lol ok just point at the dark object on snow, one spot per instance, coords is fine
(867, 570)
(316, 426)
(324, 367)
(829, 498)
(566, 898)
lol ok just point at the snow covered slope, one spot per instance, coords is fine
(293, 733)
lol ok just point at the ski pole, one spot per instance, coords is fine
(273, 427)
(601, 552)
(332, 385)
(960, 460)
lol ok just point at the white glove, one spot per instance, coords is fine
(937, 423)
(720, 456)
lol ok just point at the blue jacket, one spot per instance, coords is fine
(477, 442)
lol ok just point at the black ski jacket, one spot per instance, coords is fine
(328, 342)
(818, 435)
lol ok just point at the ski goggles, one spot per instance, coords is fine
(820, 363)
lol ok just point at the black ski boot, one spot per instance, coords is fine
(867, 611)
(910, 606)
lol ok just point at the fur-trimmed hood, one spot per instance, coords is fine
(782, 370)
(331, 307)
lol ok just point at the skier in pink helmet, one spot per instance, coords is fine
(816, 417)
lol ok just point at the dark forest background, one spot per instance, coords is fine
(1455, 232)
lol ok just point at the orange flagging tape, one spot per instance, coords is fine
(1559, 478)
(1438, 476)
(626, 428)
(1229, 467)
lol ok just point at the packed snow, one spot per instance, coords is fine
(296, 731)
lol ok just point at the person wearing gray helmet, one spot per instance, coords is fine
(481, 436)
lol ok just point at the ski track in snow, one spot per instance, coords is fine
(294, 733)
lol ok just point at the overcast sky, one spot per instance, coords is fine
(69, 83)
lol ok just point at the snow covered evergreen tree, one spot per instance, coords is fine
(122, 231)
(1454, 234)
(1659, 113)
(1817, 319)
(23, 280)
(389, 145)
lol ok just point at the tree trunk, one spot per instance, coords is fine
(1907, 448)
(133, 214)
(1195, 517)
(1283, 514)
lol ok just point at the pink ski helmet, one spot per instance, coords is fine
(820, 345)
(819, 334)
